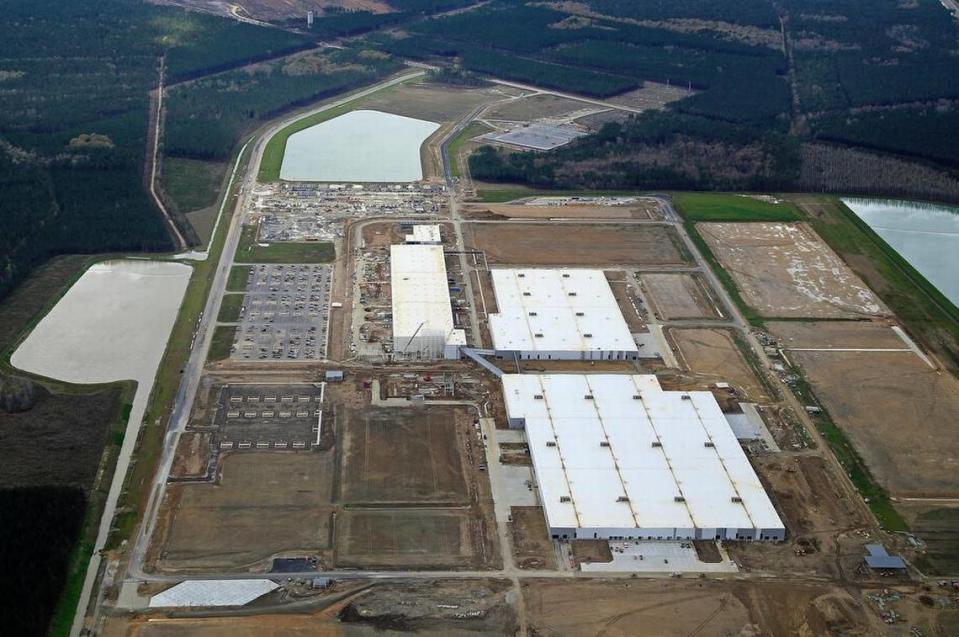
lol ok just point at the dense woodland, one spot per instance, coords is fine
(878, 75)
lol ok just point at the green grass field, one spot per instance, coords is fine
(249, 251)
(696, 206)
(230, 308)
(190, 183)
(501, 193)
(475, 129)
(237, 280)
(221, 343)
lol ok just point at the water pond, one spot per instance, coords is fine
(360, 146)
(925, 235)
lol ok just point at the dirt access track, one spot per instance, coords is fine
(902, 416)
(574, 244)
(695, 607)
(786, 270)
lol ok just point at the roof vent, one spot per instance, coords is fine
(588, 396)
(537, 397)
(565, 498)
(550, 443)
(527, 294)
(604, 443)
(736, 498)
(657, 443)
(532, 313)
(572, 294)
(581, 314)
(521, 275)
(587, 335)
(565, 275)
(637, 397)
(710, 444)
(538, 335)
(679, 498)
(687, 397)
(623, 498)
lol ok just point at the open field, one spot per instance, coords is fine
(222, 341)
(786, 270)
(250, 251)
(644, 209)
(402, 455)
(698, 206)
(534, 107)
(678, 296)
(576, 244)
(686, 607)
(192, 184)
(425, 100)
(901, 418)
(263, 504)
(836, 334)
(532, 547)
(230, 308)
(239, 275)
(713, 356)
(403, 538)
(938, 526)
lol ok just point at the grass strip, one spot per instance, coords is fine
(230, 308)
(700, 206)
(250, 251)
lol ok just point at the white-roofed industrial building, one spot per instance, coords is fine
(616, 457)
(425, 234)
(423, 326)
(558, 314)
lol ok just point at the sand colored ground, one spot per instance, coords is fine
(685, 607)
(831, 334)
(902, 416)
(785, 269)
(575, 244)
(263, 504)
(712, 355)
(677, 296)
(403, 538)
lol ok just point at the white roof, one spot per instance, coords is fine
(213, 593)
(421, 295)
(605, 462)
(424, 233)
(549, 310)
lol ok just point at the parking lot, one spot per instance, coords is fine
(285, 313)
(268, 416)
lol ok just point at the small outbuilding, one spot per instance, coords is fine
(877, 558)
(334, 376)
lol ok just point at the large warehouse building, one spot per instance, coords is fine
(564, 314)
(616, 457)
(423, 325)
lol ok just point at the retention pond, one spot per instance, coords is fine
(360, 146)
(925, 235)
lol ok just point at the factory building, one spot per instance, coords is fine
(424, 234)
(558, 314)
(616, 457)
(423, 325)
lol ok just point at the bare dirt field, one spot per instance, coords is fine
(678, 296)
(785, 269)
(712, 356)
(937, 524)
(836, 334)
(687, 607)
(532, 547)
(534, 107)
(401, 455)
(192, 455)
(640, 210)
(404, 538)
(651, 96)
(576, 244)
(903, 417)
(261, 505)
(444, 608)
(432, 102)
(819, 517)
(629, 304)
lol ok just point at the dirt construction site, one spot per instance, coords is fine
(786, 270)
